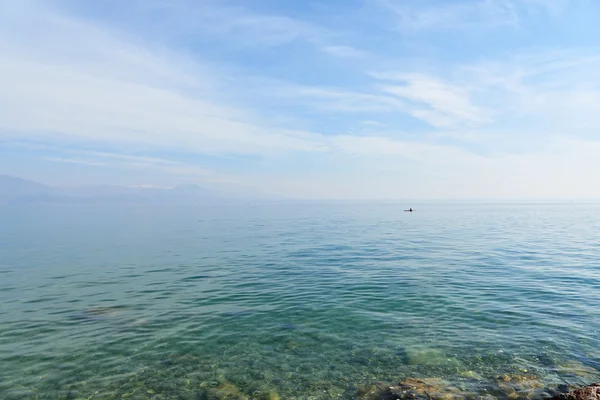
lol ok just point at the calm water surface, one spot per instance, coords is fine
(311, 301)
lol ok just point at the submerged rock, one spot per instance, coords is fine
(431, 388)
(506, 387)
(288, 326)
(590, 392)
(419, 355)
(105, 311)
(95, 314)
(518, 386)
(470, 375)
(576, 368)
(369, 392)
(271, 395)
(411, 389)
(225, 391)
(183, 358)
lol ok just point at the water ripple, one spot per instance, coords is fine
(300, 299)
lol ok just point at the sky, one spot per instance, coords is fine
(356, 99)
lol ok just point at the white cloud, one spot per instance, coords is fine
(128, 161)
(343, 100)
(68, 82)
(182, 20)
(373, 123)
(469, 15)
(550, 91)
(104, 89)
(455, 15)
(344, 51)
(385, 168)
(254, 29)
(43, 101)
(445, 104)
(538, 92)
(77, 161)
(414, 151)
(564, 168)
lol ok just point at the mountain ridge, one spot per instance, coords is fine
(16, 190)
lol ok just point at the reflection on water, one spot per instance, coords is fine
(298, 301)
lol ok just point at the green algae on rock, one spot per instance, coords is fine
(270, 395)
(420, 355)
(470, 375)
(411, 388)
(576, 368)
(225, 391)
(518, 386)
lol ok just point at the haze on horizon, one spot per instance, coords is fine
(380, 99)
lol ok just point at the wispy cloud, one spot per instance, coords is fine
(215, 92)
(181, 21)
(411, 150)
(253, 28)
(77, 161)
(344, 51)
(456, 15)
(373, 123)
(342, 100)
(543, 89)
(119, 160)
(137, 98)
(469, 15)
(438, 103)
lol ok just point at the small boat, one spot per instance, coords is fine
(409, 210)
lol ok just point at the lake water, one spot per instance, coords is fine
(296, 301)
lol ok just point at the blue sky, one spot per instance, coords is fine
(377, 99)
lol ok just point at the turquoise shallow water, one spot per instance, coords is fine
(312, 301)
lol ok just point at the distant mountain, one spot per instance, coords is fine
(20, 191)
(11, 187)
